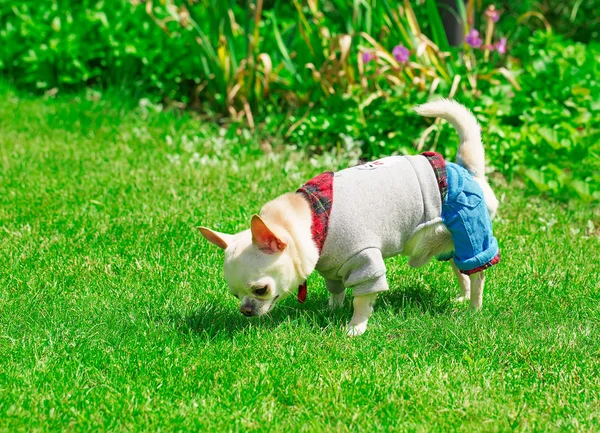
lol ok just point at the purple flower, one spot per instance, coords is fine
(492, 13)
(400, 53)
(473, 39)
(501, 46)
(368, 56)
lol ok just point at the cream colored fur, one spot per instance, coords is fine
(278, 253)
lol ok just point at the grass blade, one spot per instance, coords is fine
(437, 27)
(290, 65)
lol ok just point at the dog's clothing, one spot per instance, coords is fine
(366, 213)
(465, 214)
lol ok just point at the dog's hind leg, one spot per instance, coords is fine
(464, 282)
(477, 280)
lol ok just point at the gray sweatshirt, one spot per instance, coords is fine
(376, 209)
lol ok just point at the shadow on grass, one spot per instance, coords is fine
(218, 321)
(432, 302)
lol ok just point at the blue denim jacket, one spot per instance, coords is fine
(465, 214)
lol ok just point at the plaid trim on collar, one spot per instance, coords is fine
(439, 168)
(319, 193)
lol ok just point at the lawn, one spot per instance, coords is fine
(114, 314)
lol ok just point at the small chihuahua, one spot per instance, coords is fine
(345, 224)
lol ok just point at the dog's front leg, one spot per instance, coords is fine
(364, 273)
(363, 308)
(336, 300)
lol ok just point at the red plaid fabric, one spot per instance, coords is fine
(492, 262)
(439, 168)
(319, 193)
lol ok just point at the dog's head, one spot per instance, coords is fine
(259, 265)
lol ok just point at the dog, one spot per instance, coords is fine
(345, 224)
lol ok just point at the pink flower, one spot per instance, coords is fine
(501, 46)
(368, 56)
(473, 39)
(400, 53)
(492, 13)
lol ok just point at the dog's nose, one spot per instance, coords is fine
(246, 310)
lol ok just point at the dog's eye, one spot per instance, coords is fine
(261, 291)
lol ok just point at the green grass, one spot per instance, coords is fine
(114, 313)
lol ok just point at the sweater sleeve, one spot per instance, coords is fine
(364, 272)
(334, 286)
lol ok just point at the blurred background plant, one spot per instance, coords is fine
(338, 74)
(235, 55)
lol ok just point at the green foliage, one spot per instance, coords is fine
(546, 132)
(556, 120)
(297, 70)
(577, 19)
(66, 45)
(236, 56)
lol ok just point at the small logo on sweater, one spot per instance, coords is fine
(374, 165)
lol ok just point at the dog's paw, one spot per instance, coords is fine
(475, 307)
(356, 330)
(337, 300)
(462, 298)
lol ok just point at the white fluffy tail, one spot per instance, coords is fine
(470, 151)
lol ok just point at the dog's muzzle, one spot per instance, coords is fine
(246, 310)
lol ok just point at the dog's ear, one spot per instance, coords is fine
(222, 240)
(264, 238)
